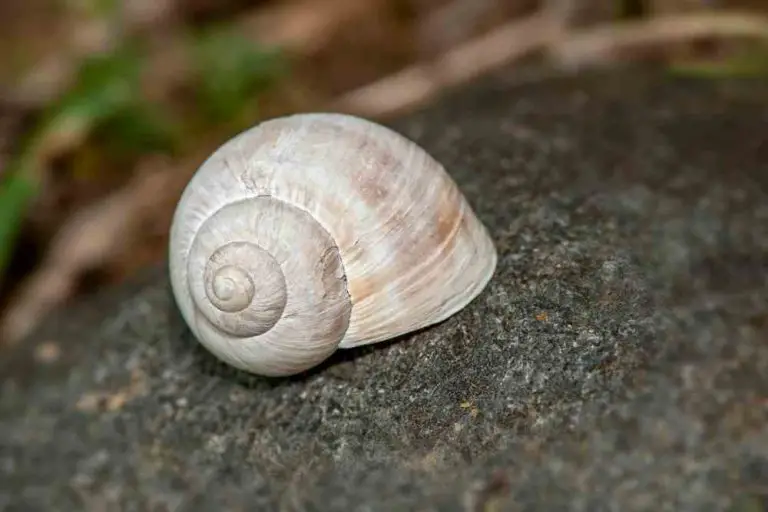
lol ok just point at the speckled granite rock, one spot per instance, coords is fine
(617, 361)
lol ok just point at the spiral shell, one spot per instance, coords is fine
(313, 232)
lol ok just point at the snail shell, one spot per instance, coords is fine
(313, 232)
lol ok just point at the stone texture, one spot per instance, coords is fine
(617, 361)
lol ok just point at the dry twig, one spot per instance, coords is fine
(304, 26)
(548, 31)
(602, 44)
(419, 83)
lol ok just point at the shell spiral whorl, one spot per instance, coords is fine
(244, 263)
(245, 290)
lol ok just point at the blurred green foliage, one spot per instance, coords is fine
(104, 85)
(105, 97)
(231, 71)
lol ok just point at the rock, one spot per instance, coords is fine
(617, 361)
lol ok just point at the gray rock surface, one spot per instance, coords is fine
(617, 361)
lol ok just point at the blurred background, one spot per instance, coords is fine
(107, 107)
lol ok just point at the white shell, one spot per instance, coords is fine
(313, 232)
